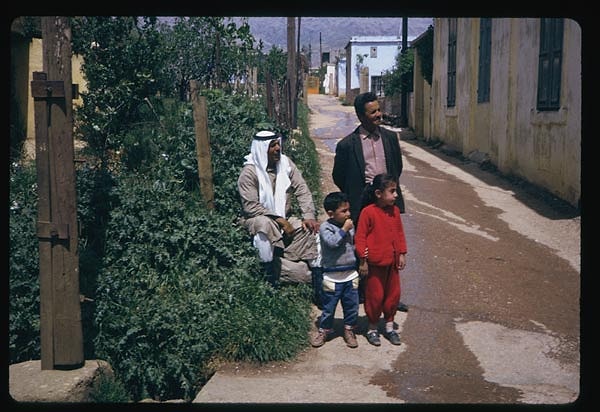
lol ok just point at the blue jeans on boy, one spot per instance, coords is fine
(347, 293)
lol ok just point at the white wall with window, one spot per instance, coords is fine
(377, 53)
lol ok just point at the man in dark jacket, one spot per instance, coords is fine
(366, 152)
(369, 150)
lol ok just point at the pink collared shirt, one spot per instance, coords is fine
(373, 153)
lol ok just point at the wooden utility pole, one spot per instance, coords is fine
(299, 78)
(291, 71)
(269, 95)
(205, 173)
(60, 312)
(320, 51)
(404, 93)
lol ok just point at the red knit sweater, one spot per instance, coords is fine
(381, 231)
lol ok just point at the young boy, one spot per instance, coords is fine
(339, 264)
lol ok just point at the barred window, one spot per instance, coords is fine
(377, 85)
(451, 99)
(550, 64)
(485, 58)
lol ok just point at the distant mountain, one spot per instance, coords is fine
(332, 33)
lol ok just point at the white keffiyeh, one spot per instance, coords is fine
(259, 158)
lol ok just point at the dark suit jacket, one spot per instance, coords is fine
(349, 167)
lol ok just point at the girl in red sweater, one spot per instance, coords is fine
(381, 246)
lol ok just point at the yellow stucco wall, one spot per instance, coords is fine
(541, 147)
(35, 64)
(420, 102)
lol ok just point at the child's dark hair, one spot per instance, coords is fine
(333, 200)
(380, 182)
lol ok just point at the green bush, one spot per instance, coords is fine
(305, 155)
(24, 290)
(181, 285)
(108, 389)
(175, 287)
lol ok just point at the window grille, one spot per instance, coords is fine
(550, 63)
(451, 99)
(485, 58)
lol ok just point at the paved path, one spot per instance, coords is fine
(332, 373)
(488, 264)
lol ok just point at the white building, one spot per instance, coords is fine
(341, 77)
(372, 56)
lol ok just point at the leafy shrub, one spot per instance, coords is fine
(94, 186)
(24, 290)
(175, 286)
(304, 153)
(180, 285)
(108, 389)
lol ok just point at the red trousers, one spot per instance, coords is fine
(382, 293)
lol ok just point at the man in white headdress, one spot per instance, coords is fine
(266, 183)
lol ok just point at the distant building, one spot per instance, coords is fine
(340, 71)
(329, 82)
(367, 60)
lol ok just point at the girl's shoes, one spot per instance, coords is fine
(393, 337)
(373, 338)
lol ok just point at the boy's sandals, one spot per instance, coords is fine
(319, 338)
(350, 338)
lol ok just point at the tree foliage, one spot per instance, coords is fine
(211, 50)
(425, 52)
(174, 286)
(129, 61)
(400, 78)
(274, 63)
(123, 65)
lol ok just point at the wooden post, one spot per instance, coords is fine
(404, 92)
(291, 72)
(205, 173)
(364, 79)
(278, 103)
(299, 78)
(269, 95)
(305, 88)
(60, 312)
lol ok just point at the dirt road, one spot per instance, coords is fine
(326, 127)
(332, 373)
(493, 287)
